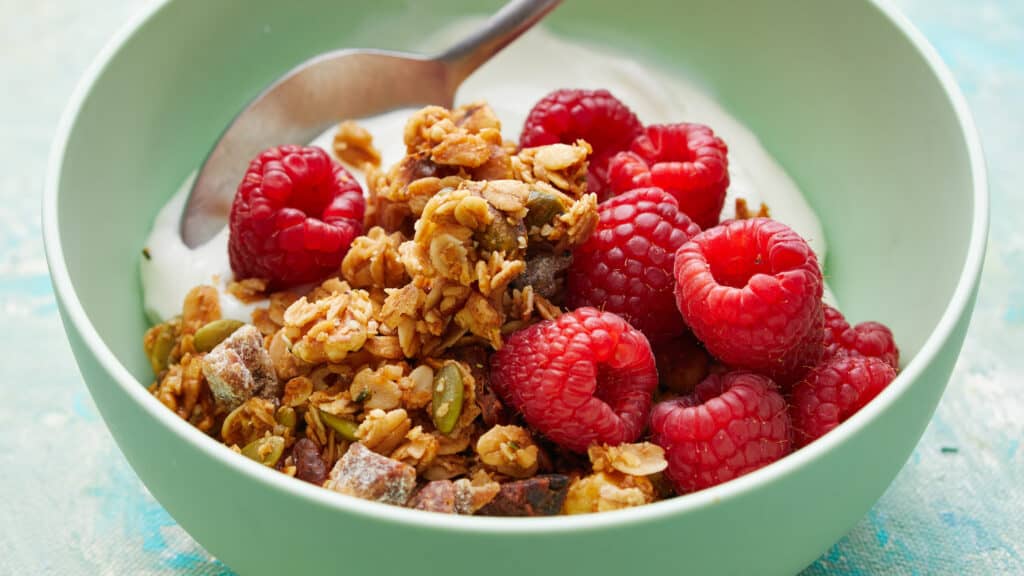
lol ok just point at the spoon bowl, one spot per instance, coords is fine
(340, 85)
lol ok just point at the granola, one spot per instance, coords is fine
(374, 382)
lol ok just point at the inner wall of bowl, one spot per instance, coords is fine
(885, 169)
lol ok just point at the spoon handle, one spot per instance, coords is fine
(514, 18)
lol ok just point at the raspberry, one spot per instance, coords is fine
(731, 425)
(871, 339)
(686, 160)
(295, 214)
(586, 377)
(751, 292)
(625, 267)
(596, 116)
(834, 391)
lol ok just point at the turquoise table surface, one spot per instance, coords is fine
(71, 505)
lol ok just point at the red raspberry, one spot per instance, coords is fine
(596, 116)
(834, 391)
(686, 160)
(751, 292)
(625, 267)
(585, 377)
(731, 425)
(294, 216)
(872, 339)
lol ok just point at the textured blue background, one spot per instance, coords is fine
(71, 505)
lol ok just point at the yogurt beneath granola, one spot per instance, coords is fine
(535, 65)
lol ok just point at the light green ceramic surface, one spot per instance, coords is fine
(845, 95)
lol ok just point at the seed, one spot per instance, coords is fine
(266, 450)
(447, 401)
(347, 428)
(214, 333)
(542, 208)
(499, 235)
(162, 346)
(286, 417)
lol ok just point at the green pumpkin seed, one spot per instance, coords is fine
(266, 450)
(499, 235)
(286, 417)
(542, 208)
(446, 406)
(162, 346)
(214, 333)
(347, 428)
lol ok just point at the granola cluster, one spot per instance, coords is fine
(373, 383)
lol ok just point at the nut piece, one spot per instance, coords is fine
(417, 388)
(446, 405)
(383, 431)
(641, 459)
(418, 450)
(539, 496)
(365, 474)
(508, 450)
(239, 368)
(353, 144)
(608, 491)
(202, 306)
(472, 494)
(378, 389)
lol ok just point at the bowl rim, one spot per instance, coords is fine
(75, 314)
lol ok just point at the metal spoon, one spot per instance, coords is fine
(335, 86)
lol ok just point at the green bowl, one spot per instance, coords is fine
(846, 94)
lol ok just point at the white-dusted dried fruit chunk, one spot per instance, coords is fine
(239, 368)
(363, 473)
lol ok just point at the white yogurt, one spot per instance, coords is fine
(523, 73)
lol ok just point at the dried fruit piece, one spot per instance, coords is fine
(541, 495)
(446, 406)
(213, 333)
(437, 496)
(363, 473)
(240, 368)
(309, 465)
